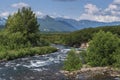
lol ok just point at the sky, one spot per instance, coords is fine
(97, 10)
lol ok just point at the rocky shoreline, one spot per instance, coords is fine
(94, 73)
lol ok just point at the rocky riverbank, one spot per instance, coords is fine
(95, 73)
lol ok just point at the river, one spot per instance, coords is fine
(40, 67)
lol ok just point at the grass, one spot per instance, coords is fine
(13, 54)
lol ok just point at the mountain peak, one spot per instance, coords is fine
(2, 21)
(47, 17)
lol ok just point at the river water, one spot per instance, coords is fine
(42, 67)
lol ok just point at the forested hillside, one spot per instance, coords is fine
(84, 35)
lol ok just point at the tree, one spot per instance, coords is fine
(24, 26)
(73, 61)
(117, 58)
(101, 49)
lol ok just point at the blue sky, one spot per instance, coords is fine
(98, 10)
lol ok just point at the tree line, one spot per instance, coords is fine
(85, 35)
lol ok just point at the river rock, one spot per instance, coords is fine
(94, 73)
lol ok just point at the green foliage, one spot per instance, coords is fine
(56, 38)
(117, 58)
(85, 35)
(13, 54)
(73, 61)
(102, 48)
(21, 31)
(21, 36)
(12, 41)
(83, 55)
(22, 28)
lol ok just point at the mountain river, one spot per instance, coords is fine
(42, 67)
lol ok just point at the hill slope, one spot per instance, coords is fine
(49, 24)
(87, 23)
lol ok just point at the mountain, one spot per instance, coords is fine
(87, 23)
(2, 22)
(50, 24)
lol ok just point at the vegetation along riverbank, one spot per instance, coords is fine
(102, 58)
(21, 36)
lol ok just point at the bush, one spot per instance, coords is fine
(83, 55)
(102, 48)
(73, 61)
(117, 58)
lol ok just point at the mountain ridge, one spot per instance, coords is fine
(87, 23)
(49, 24)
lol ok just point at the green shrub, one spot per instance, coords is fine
(102, 48)
(117, 58)
(2, 55)
(83, 55)
(73, 61)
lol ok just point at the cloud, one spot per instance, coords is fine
(19, 5)
(4, 14)
(116, 1)
(100, 18)
(109, 14)
(91, 9)
(39, 14)
(7, 13)
(16, 5)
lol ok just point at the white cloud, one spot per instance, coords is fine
(111, 7)
(16, 5)
(39, 14)
(19, 5)
(4, 14)
(91, 9)
(66, 17)
(109, 14)
(101, 18)
(116, 1)
(56, 15)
